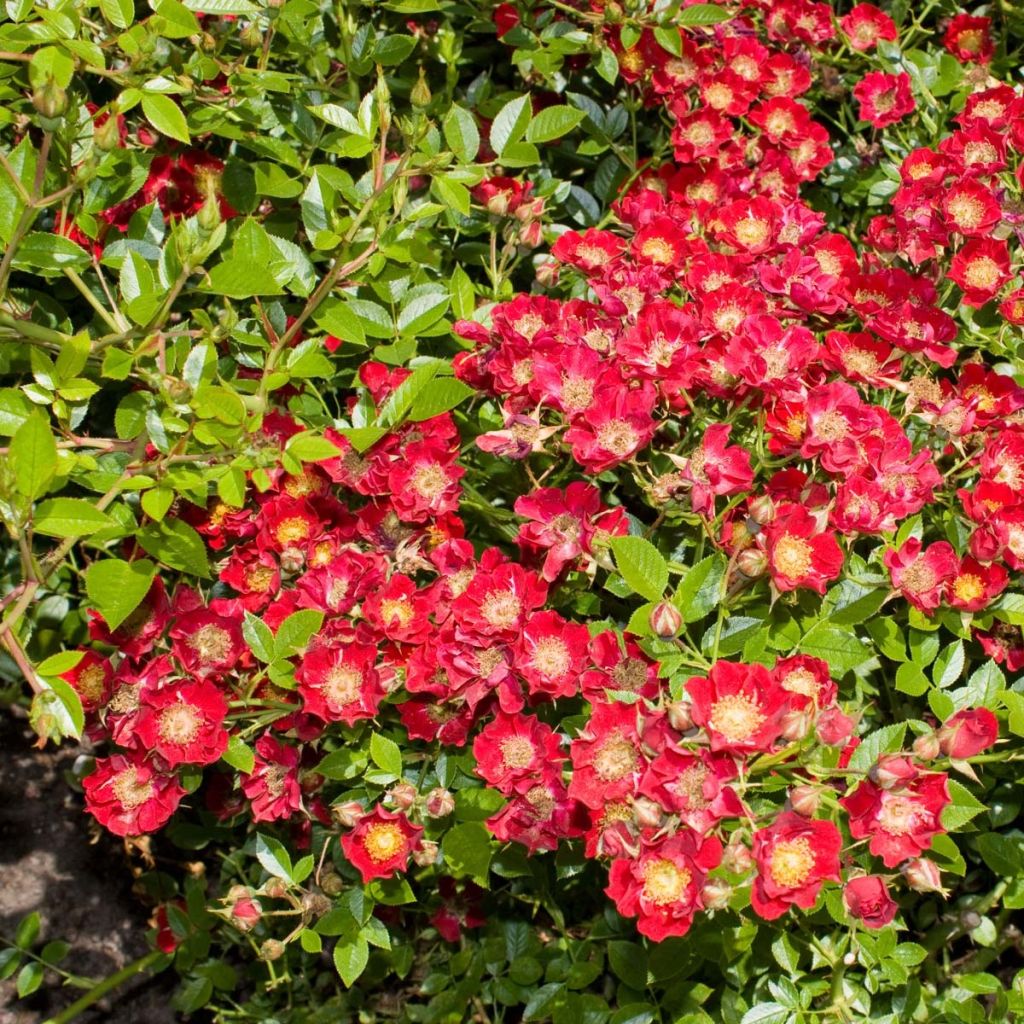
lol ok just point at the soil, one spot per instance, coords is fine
(82, 889)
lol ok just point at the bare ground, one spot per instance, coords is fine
(82, 890)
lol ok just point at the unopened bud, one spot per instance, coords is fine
(613, 13)
(926, 747)
(251, 37)
(969, 920)
(891, 770)
(403, 795)
(762, 510)
(752, 562)
(106, 136)
(347, 814)
(50, 99)
(332, 884)
(272, 949)
(737, 858)
(419, 95)
(209, 213)
(497, 204)
(666, 620)
(440, 803)
(292, 559)
(796, 725)
(849, 959)
(276, 888)
(679, 716)
(647, 813)
(315, 905)
(547, 273)
(530, 235)
(922, 875)
(805, 800)
(246, 914)
(425, 855)
(716, 894)
(311, 782)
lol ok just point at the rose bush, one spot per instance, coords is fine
(528, 499)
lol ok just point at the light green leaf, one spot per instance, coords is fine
(70, 517)
(117, 588)
(239, 755)
(509, 123)
(462, 134)
(165, 116)
(838, 645)
(273, 856)
(33, 456)
(552, 123)
(40, 250)
(641, 565)
(886, 740)
(701, 588)
(120, 13)
(467, 851)
(386, 754)
(176, 544)
(350, 959)
(703, 14)
(438, 396)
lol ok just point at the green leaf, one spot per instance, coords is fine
(766, 1013)
(59, 663)
(438, 396)
(350, 959)
(509, 123)
(165, 116)
(257, 634)
(628, 961)
(273, 856)
(400, 400)
(177, 545)
(552, 123)
(886, 740)
(838, 645)
(221, 7)
(295, 632)
(386, 754)
(467, 851)
(33, 456)
(120, 13)
(310, 447)
(701, 588)
(40, 250)
(239, 755)
(30, 977)
(27, 931)
(911, 680)
(641, 565)
(117, 588)
(962, 808)
(61, 701)
(242, 279)
(70, 517)
(422, 310)
(461, 134)
(392, 50)
(15, 408)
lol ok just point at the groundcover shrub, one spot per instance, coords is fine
(521, 504)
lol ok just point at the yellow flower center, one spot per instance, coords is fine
(792, 556)
(516, 752)
(130, 790)
(918, 577)
(342, 686)
(736, 717)
(665, 882)
(617, 437)
(577, 392)
(179, 724)
(801, 681)
(292, 530)
(965, 211)
(551, 657)
(615, 759)
(501, 609)
(791, 862)
(396, 611)
(982, 273)
(968, 587)
(430, 481)
(383, 841)
(90, 682)
(211, 643)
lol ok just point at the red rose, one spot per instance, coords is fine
(130, 797)
(793, 856)
(968, 732)
(867, 899)
(184, 723)
(381, 843)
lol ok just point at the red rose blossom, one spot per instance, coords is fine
(381, 843)
(867, 899)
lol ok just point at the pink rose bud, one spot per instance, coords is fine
(666, 620)
(679, 716)
(426, 853)
(926, 747)
(647, 813)
(752, 562)
(923, 875)
(440, 803)
(547, 273)
(403, 795)
(276, 888)
(348, 814)
(892, 770)
(737, 858)
(796, 725)
(292, 560)
(835, 728)
(968, 732)
(805, 800)
(867, 899)
(762, 510)
(716, 894)
(246, 913)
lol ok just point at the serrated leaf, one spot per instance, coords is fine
(701, 588)
(40, 250)
(70, 517)
(461, 134)
(350, 959)
(703, 14)
(33, 456)
(641, 565)
(962, 808)
(467, 851)
(386, 754)
(239, 755)
(838, 645)
(117, 588)
(165, 116)
(886, 740)
(552, 123)
(257, 634)
(176, 544)
(271, 853)
(438, 396)
(510, 123)
(120, 13)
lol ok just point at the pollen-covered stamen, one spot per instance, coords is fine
(522, 372)
(91, 683)
(259, 578)
(517, 752)
(665, 882)
(728, 318)
(966, 211)
(274, 779)
(899, 815)
(179, 724)
(792, 862)
(752, 232)
(383, 841)
(690, 785)
(212, 643)
(528, 325)
(776, 363)
(292, 531)
(430, 481)
(982, 273)
(699, 133)
(617, 437)
(396, 611)
(342, 686)
(593, 254)
(737, 717)
(551, 657)
(488, 659)
(658, 250)
(301, 486)
(832, 426)
(980, 152)
(541, 800)
(577, 393)
(630, 674)
(792, 556)
(860, 361)
(130, 790)
(918, 577)
(615, 759)
(501, 609)
(968, 587)
(802, 681)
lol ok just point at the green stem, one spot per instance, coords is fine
(106, 985)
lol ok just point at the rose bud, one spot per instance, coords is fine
(834, 728)
(403, 795)
(968, 732)
(647, 813)
(547, 273)
(762, 510)
(867, 899)
(272, 949)
(246, 913)
(106, 136)
(923, 875)
(276, 888)
(716, 894)
(426, 853)
(292, 560)
(796, 725)
(530, 235)
(347, 814)
(891, 770)
(315, 905)
(926, 747)
(420, 95)
(251, 36)
(332, 884)
(752, 563)
(805, 800)
(737, 858)
(50, 99)
(679, 716)
(440, 803)
(666, 620)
